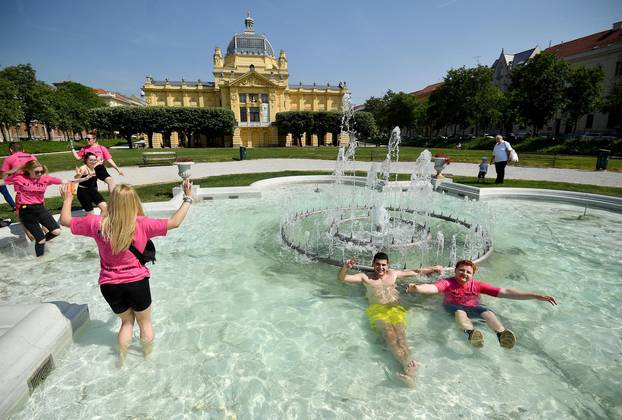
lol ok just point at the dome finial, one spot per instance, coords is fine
(248, 22)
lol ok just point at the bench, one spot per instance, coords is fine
(541, 161)
(159, 158)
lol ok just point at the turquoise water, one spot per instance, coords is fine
(246, 329)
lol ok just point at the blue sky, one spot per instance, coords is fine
(372, 45)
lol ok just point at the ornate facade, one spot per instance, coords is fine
(253, 83)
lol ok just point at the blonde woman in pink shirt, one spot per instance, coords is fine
(123, 278)
(32, 181)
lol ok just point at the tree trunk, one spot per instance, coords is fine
(128, 137)
(5, 137)
(28, 130)
(150, 139)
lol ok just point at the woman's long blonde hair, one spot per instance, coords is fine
(119, 225)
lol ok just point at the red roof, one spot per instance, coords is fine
(587, 43)
(427, 91)
(100, 91)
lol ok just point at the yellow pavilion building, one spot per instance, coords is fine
(254, 84)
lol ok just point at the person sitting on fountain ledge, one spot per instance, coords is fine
(462, 294)
(385, 313)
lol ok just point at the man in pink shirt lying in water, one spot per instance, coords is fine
(461, 299)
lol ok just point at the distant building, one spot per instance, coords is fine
(424, 94)
(117, 99)
(253, 83)
(603, 50)
(504, 65)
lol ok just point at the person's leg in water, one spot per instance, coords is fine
(124, 338)
(391, 338)
(146, 331)
(408, 362)
(506, 338)
(475, 336)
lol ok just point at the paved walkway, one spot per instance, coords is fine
(159, 174)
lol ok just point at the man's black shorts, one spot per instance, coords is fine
(121, 297)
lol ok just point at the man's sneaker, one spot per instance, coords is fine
(476, 338)
(507, 339)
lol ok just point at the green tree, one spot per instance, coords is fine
(296, 123)
(401, 110)
(28, 92)
(47, 113)
(467, 98)
(365, 125)
(613, 106)
(582, 93)
(10, 107)
(538, 88)
(73, 101)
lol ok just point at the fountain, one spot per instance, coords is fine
(358, 216)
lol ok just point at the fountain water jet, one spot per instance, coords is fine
(361, 216)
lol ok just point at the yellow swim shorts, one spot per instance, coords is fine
(392, 314)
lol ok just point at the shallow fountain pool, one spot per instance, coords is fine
(247, 328)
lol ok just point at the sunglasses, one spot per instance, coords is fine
(90, 138)
(38, 172)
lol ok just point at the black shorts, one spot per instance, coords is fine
(101, 172)
(481, 175)
(32, 216)
(471, 311)
(89, 197)
(121, 297)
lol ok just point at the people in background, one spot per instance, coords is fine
(103, 155)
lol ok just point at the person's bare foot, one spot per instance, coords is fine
(408, 376)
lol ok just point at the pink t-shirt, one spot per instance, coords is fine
(32, 190)
(123, 267)
(101, 152)
(16, 159)
(466, 294)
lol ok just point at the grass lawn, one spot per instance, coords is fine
(127, 157)
(163, 192)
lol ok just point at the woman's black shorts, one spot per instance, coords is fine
(101, 172)
(89, 197)
(121, 297)
(33, 215)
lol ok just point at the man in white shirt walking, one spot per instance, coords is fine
(500, 156)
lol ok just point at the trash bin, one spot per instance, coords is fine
(242, 153)
(602, 159)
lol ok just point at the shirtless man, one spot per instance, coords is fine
(386, 315)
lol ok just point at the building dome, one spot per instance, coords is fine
(249, 42)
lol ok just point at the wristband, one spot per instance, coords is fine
(188, 199)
